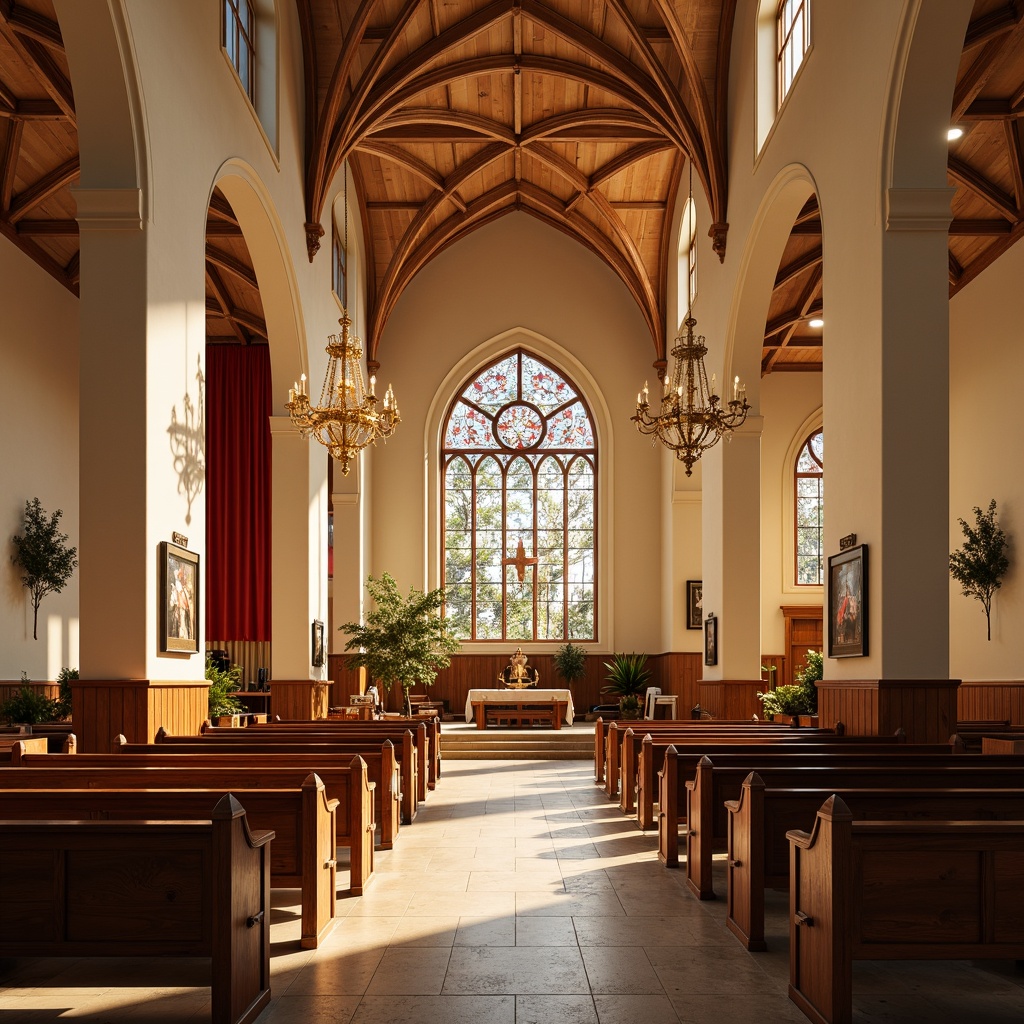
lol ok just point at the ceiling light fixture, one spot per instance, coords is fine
(954, 133)
(816, 322)
(692, 417)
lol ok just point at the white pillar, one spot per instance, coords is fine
(117, 574)
(299, 559)
(732, 551)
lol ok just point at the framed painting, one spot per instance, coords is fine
(179, 604)
(694, 599)
(847, 603)
(711, 640)
(318, 643)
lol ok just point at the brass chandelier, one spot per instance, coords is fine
(347, 418)
(691, 417)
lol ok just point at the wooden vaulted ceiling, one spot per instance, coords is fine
(579, 112)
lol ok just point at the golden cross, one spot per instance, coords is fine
(520, 561)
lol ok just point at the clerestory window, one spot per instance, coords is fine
(519, 501)
(240, 42)
(793, 37)
(810, 507)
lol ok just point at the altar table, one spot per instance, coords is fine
(528, 696)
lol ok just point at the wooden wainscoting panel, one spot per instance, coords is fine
(925, 709)
(984, 701)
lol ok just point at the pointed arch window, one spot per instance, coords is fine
(810, 506)
(519, 504)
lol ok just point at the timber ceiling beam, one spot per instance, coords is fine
(235, 267)
(45, 187)
(980, 227)
(9, 165)
(624, 160)
(399, 156)
(319, 172)
(39, 256)
(39, 60)
(223, 302)
(427, 125)
(809, 259)
(975, 182)
(48, 228)
(986, 62)
(31, 25)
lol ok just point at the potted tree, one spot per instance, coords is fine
(813, 670)
(570, 663)
(404, 640)
(628, 676)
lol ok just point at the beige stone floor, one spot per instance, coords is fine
(518, 896)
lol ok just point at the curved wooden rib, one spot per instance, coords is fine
(711, 169)
(407, 117)
(512, 194)
(411, 163)
(318, 173)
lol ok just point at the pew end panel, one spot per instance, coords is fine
(897, 890)
(146, 888)
(745, 866)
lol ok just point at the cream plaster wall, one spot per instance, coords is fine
(39, 430)
(518, 273)
(788, 400)
(987, 361)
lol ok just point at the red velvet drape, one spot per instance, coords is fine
(238, 409)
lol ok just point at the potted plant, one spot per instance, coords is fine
(628, 676)
(813, 670)
(980, 564)
(784, 703)
(223, 708)
(404, 639)
(570, 663)
(28, 706)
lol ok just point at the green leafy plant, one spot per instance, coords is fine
(43, 555)
(222, 684)
(980, 564)
(404, 639)
(62, 705)
(629, 706)
(813, 670)
(790, 699)
(628, 675)
(28, 706)
(571, 663)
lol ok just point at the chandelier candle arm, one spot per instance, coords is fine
(346, 420)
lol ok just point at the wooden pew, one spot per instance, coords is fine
(390, 776)
(303, 820)
(241, 771)
(424, 739)
(146, 888)
(667, 731)
(607, 752)
(905, 890)
(252, 741)
(703, 797)
(721, 725)
(758, 852)
(644, 756)
(388, 728)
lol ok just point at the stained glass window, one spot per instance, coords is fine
(520, 506)
(810, 506)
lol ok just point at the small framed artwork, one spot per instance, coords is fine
(694, 600)
(318, 643)
(847, 603)
(179, 605)
(711, 640)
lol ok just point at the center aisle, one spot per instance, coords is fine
(521, 895)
